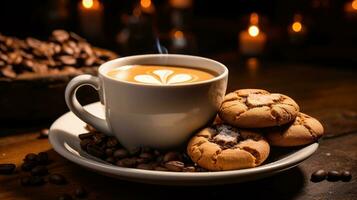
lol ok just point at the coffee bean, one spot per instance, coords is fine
(31, 157)
(84, 143)
(175, 166)
(109, 151)
(126, 162)
(39, 170)
(189, 169)
(145, 166)
(172, 155)
(147, 156)
(7, 168)
(80, 192)
(65, 197)
(141, 160)
(28, 165)
(57, 179)
(346, 176)
(98, 138)
(112, 142)
(121, 153)
(90, 128)
(43, 133)
(159, 168)
(333, 176)
(110, 160)
(95, 151)
(60, 36)
(67, 60)
(42, 158)
(318, 176)
(85, 136)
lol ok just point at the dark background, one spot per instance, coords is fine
(212, 25)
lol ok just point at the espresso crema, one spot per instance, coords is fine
(160, 74)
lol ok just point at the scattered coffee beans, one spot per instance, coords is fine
(80, 192)
(28, 165)
(7, 168)
(333, 176)
(346, 176)
(109, 149)
(318, 176)
(57, 179)
(39, 170)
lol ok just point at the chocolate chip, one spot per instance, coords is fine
(57, 179)
(85, 136)
(7, 168)
(39, 170)
(80, 192)
(121, 153)
(175, 166)
(126, 162)
(28, 165)
(65, 197)
(172, 155)
(95, 151)
(333, 176)
(318, 176)
(346, 176)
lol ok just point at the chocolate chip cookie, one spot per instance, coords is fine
(304, 130)
(255, 108)
(223, 147)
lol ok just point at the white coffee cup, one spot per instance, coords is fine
(157, 116)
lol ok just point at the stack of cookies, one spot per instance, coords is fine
(250, 120)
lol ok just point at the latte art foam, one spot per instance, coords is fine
(159, 75)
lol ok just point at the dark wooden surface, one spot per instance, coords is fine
(328, 93)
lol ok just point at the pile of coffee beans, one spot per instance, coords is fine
(109, 149)
(331, 176)
(64, 51)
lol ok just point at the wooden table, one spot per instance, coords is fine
(328, 93)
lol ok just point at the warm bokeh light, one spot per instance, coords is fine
(354, 4)
(145, 3)
(178, 34)
(87, 3)
(254, 19)
(253, 31)
(296, 26)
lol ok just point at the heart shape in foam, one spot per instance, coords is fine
(163, 77)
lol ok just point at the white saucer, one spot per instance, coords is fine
(64, 139)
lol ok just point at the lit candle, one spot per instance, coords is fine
(90, 14)
(146, 6)
(252, 40)
(351, 8)
(178, 39)
(297, 29)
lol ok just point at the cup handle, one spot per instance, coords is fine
(73, 104)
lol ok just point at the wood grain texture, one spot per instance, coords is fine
(327, 93)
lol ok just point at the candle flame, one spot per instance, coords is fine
(90, 4)
(145, 3)
(253, 31)
(296, 26)
(354, 4)
(178, 34)
(254, 18)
